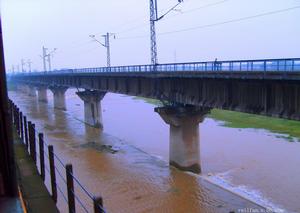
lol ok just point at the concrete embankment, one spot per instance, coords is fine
(34, 193)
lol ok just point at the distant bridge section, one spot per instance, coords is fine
(266, 87)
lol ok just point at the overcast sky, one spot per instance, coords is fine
(197, 31)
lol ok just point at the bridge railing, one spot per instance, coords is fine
(252, 65)
(288, 64)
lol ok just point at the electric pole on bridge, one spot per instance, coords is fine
(47, 57)
(29, 62)
(154, 18)
(44, 55)
(106, 45)
(22, 65)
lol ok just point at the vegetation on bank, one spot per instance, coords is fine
(149, 101)
(244, 120)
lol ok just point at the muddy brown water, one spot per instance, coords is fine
(126, 163)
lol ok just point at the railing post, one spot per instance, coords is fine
(13, 113)
(10, 111)
(18, 121)
(52, 173)
(42, 158)
(21, 127)
(32, 142)
(70, 188)
(15, 116)
(30, 137)
(26, 132)
(98, 205)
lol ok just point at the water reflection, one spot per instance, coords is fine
(92, 134)
(43, 109)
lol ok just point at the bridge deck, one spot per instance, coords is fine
(270, 75)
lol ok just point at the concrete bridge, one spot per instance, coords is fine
(189, 91)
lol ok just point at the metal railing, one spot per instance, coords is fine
(48, 168)
(264, 65)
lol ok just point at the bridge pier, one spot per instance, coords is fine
(59, 96)
(184, 135)
(22, 88)
(92, 107)
(31, 91)
(42, 93)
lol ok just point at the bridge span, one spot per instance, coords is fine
(188, 90)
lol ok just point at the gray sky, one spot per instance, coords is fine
(182, 36)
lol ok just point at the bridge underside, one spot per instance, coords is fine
(257, 94)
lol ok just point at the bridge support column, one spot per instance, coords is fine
(92, 107)
(31, 91)
(42, 93)
(22, 88)
(59, 97)
(184, 135)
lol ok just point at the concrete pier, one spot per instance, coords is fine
(92, 107)
(31, 91)
(184, 135)
(42, 93)
(59, 96)
(22, 88)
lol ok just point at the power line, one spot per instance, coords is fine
(219, 23)
(143, 18)
(199, 8)
(232, 21)
(182, 12)
(74, 44)
(133, 28)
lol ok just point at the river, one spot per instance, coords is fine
(133, 175)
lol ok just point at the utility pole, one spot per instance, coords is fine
(29, 62)
(47, 57)
(154, 18)
(44, 55)
(106, 45)
(22, 65)
(18, 68)
(49, 61)
(13, 68)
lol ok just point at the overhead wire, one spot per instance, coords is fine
(74, 45)
(219, 23)
(232, 20)
(189, 28)
(181, 13)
